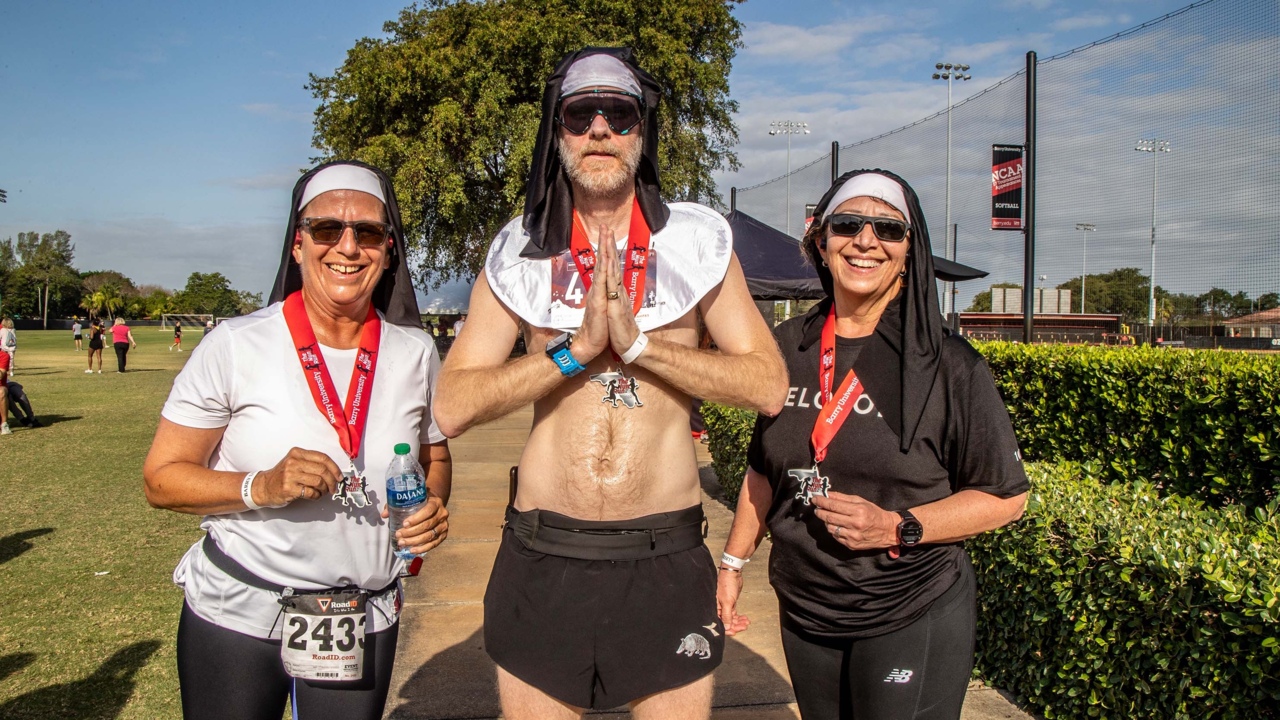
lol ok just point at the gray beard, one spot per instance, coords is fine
(602, 184)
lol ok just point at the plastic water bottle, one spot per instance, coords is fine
(406, 492)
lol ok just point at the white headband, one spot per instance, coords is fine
(872, 185)
(342, 177)
(599, 71)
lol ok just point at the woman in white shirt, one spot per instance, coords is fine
(279, 432)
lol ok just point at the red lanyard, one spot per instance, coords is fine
(636, 261)
(833, 414)
(350, 426)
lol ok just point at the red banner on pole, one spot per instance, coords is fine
(1006, 187)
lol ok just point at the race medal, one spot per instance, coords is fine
(352, 490)
(618, 388)
(811, 483)
(323, 636)
(834, 411)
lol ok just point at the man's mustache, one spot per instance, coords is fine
(598, 150)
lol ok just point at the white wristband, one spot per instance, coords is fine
(734, 562)
(246, 491)
(637, 347)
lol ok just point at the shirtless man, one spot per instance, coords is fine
(603, 592)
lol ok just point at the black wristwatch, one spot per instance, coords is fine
(910, 531)
(558, 351)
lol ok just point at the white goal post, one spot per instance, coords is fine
(189, 320)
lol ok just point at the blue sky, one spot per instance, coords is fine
(165, 136)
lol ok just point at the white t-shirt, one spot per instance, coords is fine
(245, 377)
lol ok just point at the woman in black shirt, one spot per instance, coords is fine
(893, 447)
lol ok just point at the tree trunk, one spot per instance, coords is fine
(46, 305)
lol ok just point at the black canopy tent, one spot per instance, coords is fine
(777, 270)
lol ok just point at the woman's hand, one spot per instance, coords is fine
(300, 474)
(728, 588)
(425, 529)
(856, 523)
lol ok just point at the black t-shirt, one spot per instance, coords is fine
(965, 441)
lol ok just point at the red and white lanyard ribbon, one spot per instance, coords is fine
(348, 422)
(637, 257)
(833, 414)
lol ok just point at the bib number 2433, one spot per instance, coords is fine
(323, 636)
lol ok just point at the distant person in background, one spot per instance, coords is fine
(9, 341)
(177, 336)
(208, 327)
(20, 406)
(75, 333)
(430, 328)
(95, 344)
(457, 326)
(122, 339)
(4, 394)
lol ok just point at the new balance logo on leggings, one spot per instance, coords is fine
(900, 676)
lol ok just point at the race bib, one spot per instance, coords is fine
(323, 637)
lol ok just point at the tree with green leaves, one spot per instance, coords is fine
(43, 276)
(207, 294)
(449, 104)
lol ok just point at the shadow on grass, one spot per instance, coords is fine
(47, 420)
(30, 372)
(10, 664)
(11, 546)
(102, 695)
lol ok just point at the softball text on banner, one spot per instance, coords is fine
(1006, 187)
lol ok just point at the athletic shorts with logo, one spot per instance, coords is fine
(602, 633)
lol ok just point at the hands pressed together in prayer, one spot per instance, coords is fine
(608, 321)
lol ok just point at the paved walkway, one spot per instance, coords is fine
(442, 671)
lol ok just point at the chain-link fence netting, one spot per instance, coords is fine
(1200, 79)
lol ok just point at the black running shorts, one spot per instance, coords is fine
(602, 633)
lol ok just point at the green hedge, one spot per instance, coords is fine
(728, 434)
(1113, 601)
(1200, 423)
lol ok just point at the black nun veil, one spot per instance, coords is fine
(393, 295)
(548, 204)
(900, 365)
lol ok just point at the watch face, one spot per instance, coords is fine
(557, 343)
(910, 531)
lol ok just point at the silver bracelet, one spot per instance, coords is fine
(637, 347)
(246, 491)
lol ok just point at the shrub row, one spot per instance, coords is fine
(1200, 423)
(728, 435)
(1114, 601)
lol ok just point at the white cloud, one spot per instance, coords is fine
(797, 44)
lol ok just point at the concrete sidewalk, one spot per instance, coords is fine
(442, 671)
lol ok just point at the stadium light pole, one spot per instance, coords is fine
(1084, 258)
(949, 72)
(1155, 146)
(788, 128)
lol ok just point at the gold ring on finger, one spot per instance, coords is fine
(612, 295)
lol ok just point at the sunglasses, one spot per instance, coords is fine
(328, 231)
(623, 111)
(887, 229)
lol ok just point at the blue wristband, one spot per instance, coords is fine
(568, 364)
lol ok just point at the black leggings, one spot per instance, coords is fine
(122, 349)
(226, 674)
(920, 672)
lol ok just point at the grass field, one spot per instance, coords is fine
(88, 610)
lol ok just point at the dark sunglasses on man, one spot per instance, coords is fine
(623, 111)
(328, 231)
(849, 224)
